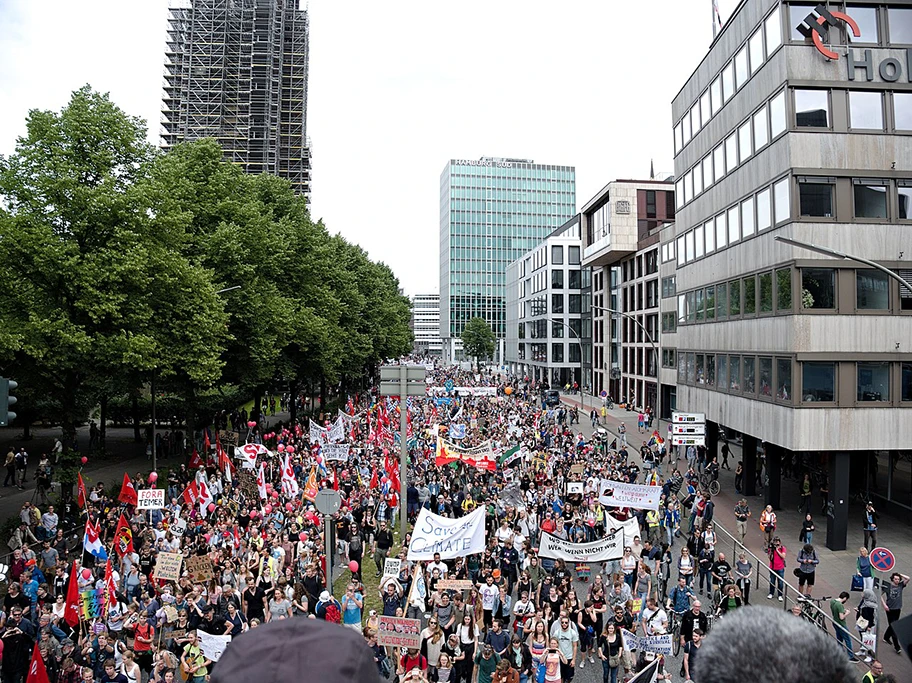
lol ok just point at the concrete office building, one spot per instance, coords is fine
(620, 232)
(549, 329)
(425, 323)
(492, 211)
(778, 136)
(236, 71)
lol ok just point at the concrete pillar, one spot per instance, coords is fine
(838, 509)
(712, 441)
(773, 476)
(749, 462)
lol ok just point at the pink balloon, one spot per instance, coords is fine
(211, 507)
(280, 448)
(153, 477)
(289, 449)
(251, 424)
(84, 460)
(86, 574)
(268, 509)
(353, 566)
(303, 536)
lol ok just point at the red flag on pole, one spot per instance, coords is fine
(37, 672)
(128, 492)
(81, 496)
(71, 611)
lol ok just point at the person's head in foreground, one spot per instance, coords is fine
(297, 650)
(764, 645)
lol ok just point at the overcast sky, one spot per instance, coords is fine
(399, 87)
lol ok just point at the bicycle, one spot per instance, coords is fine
(710, 483)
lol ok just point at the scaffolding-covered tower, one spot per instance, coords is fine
(236, 71)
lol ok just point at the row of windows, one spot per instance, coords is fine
(741, 221)
(747, 60)
(866, 109)
(747, 139)
(770, 378)
(771, 292)
(877, 25)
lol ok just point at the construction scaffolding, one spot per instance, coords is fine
(236, 71)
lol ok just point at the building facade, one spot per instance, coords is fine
(778, 136)
(620, 234)
(549, 328)
(236, 71)
(492, 211)
(425, 323)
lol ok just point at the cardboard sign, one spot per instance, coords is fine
(199, 568)
(168, 566)
(399, 632)
(454, 585)
(391, 567)
(150, 499)
(212, 646)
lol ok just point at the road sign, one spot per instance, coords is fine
(328, 501)
(688, 418)
(689, 429)
(882, 560)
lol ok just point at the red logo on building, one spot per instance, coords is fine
(816, 26)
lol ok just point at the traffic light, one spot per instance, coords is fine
(6, 401)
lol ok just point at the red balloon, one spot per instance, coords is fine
(153, 477)
(268, 509)
(353, 566)
(84, 460)
(251, 424)
(303, 536)
(211, 507)
(86, 574)
(289, 449)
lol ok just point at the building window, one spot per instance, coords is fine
(818, 288)
(722, 372)
(812, 108)
(872, 290)
(557, 255)
(765, 281)
(734, 298)
(900, 26)
(865, 110)
(818, 382)
(783, 379)
(870, 200)
(873, 382)
(784, 289)
(557, 353)
(557, 279)
(750, 295)
(902, 110)
(557, 303)
(906, 382)
(573, 256)
(815, 199)
(576, 304)
(781, 200)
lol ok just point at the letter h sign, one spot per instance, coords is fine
(816, 27)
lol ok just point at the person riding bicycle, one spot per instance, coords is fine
(721, 575)
(680, 597)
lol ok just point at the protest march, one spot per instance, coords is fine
(529, 549)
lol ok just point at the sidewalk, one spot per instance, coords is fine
(834, 573)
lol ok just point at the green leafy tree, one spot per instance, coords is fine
(478, 340)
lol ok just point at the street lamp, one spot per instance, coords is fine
(655, 347)
(826, 251)
(582, 358)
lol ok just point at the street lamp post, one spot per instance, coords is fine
(826, 251)
(582, 358)
(655, 347)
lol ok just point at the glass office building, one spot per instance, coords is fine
(492, 211)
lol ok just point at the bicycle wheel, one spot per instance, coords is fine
(714, 487)
(676, 639)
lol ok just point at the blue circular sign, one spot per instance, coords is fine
(882, 559)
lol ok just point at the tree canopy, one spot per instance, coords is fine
(114, 255)
(478, 340)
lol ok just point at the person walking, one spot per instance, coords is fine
(892, 604)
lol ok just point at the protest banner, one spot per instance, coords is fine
(391, 567)
(574, 487)
(449, 537)
(608, 548)
(621, 495)
(168, 566)
(630, 527)
(335, 452)
(454, 585)
(399, 632)
(659, 644)
(150, 499)
(212, 646)
(199, 568)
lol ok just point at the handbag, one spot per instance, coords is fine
(857, 582)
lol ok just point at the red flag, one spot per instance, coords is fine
(71, 612)
(81, 496)
(123, 538)
(195, 460)
(128, 492)
(37, 673)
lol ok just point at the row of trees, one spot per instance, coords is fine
(112, 261)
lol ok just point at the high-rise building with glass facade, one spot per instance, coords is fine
(492, 211)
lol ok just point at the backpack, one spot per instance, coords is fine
(332, 613)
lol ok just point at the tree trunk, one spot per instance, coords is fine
(103, 421)
(134, 408)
